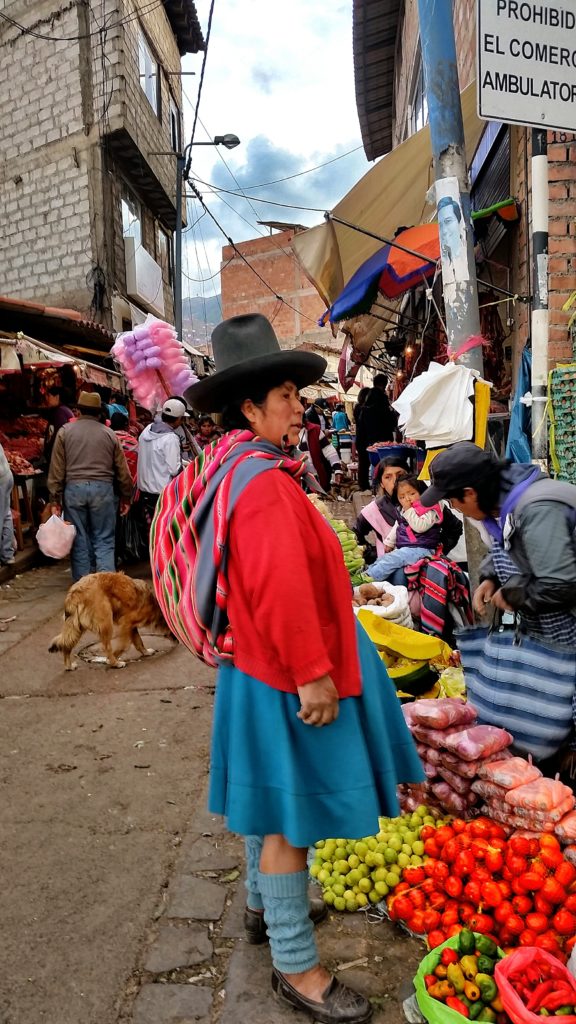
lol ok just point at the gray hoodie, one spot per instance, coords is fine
(542, 544)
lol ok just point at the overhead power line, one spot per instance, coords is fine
(199, 96)
(153, 6)
(298, 174)
(241, 255)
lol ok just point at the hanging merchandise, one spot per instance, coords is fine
(562, 408)
(154, 362)
(437, 406)
(519, 444)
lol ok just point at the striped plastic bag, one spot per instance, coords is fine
(520, 683)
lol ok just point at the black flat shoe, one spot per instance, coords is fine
(340, 1005)
(255, 925)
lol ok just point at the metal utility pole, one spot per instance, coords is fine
(451, 175)
(180, 163)
(539, 295)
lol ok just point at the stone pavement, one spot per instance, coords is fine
(122, 899)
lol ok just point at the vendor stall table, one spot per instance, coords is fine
(21, 508)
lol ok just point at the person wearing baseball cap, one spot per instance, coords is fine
(531, 567)
(160, 454)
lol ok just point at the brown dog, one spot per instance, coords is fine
(102, 601)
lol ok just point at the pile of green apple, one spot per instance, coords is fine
(356, 872)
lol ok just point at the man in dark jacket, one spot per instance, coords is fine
(376, 421)
(87, 464)
(531, 568)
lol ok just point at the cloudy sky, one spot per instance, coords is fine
(280, 76)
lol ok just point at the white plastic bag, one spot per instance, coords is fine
(436, 406)
(56, 537)
(398, 612)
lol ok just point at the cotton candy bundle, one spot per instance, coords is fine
(153, 361)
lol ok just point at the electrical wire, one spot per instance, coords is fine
(199, 94)
(247, 262)
(269, 202)
(298, 174)
(148, 9)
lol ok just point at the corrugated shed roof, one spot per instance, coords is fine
(375, 30)
(185, 25)
(52, 324)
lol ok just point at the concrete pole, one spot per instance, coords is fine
(539, 295)
(451, 175)
(180, 162)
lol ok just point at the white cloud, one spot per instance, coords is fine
(280, 76)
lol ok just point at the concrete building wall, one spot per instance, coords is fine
(562, 179)
(274, 260)
(45, 238)
(60, 213)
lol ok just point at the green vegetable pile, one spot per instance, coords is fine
(353, 553)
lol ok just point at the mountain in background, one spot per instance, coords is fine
(201, 310)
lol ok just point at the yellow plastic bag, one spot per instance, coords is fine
(406, 643)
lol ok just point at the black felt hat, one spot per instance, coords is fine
(246, 348)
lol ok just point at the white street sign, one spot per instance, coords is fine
(527, 62)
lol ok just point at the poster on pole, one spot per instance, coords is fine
(527, 62)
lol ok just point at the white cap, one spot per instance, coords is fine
(174, 407)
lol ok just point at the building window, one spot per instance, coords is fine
(174, 125)
(149, 73)
(418, 104)
(164, 250)
(131, 216)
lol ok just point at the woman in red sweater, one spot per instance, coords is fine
(308, 740)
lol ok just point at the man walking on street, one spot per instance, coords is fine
(87, 462)
(160, 454)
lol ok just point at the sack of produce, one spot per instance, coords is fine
(489, 790)
(443, 713)
(478, 742)
(456, 980)
(449, 800)
(56, 537)
(514, 772)
(435, 738)
(456, 782)
(566, 827)
(530, 981)
(541, 795)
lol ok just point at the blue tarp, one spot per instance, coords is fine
(519, 446)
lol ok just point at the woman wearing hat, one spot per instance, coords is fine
(309, 740)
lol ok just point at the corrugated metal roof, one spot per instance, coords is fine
(185, 25)
(52, 324)
(375, 30)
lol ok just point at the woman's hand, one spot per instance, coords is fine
(483, 596)
(319, 702)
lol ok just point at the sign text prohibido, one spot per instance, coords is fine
(527, 62)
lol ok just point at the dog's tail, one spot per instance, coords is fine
(71, 631)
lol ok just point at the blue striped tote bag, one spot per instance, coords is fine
(520, 683)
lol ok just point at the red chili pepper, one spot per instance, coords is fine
(456, 1004)
(430, 979)
(449, 956)
(561, 997)
(538, 994)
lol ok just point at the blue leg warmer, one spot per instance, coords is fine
(290, 930)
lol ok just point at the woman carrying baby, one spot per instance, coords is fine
(416, 534)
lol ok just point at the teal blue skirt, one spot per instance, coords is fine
(272, 774)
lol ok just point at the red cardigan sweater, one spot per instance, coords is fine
(289, 602)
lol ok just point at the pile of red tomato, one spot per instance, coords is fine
(520, 891)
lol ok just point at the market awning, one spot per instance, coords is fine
(34, 353)
(390, 195)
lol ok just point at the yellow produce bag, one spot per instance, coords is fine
(405, 642)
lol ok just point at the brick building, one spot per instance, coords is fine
(242, 291)
(392, 105)
(87, 209)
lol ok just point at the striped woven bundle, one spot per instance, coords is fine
(522, 684)
(189, 538)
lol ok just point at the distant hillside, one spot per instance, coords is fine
(201, 310)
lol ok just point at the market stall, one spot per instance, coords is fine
(29, 369)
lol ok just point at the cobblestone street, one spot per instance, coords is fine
(123, 899)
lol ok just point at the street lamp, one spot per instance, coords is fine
(182, 170)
